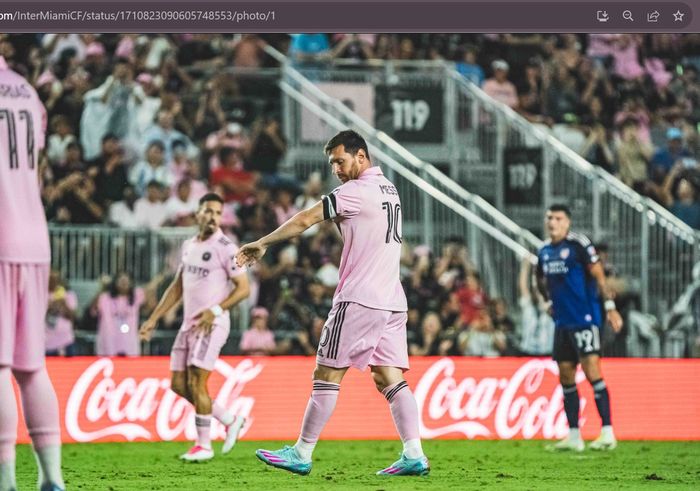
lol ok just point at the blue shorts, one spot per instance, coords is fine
(572, 344)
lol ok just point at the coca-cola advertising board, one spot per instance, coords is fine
(119, 399)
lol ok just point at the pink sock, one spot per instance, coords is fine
(220, 414)
(404, 410)
(203, 423)
(319, 409)
(8, 417)
(40, 407)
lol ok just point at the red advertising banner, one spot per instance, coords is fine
(119, 399)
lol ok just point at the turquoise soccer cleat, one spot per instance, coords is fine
(407, 467)
(286, 458)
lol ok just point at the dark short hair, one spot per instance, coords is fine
(154, 184)
(210, 197)
(109, 136)
(351, 140)
(559, 207)
(156, 143)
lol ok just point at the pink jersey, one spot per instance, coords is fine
(368, 210)
(206, 270)
(118, 324)
(23, 233)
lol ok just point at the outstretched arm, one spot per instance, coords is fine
(293, 227)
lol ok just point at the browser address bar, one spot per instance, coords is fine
(380, 16)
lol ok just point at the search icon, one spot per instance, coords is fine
(627, 15)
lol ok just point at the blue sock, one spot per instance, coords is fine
(602, 400)
(571, 404)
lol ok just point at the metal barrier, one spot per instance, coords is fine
(85, 254)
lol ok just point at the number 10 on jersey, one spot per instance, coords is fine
(393, 218)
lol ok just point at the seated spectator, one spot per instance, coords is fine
(117, 310)
(422, 289)
(165, 132)
(472, 299)
(60, 316)
(309, 50)
(499, 87)
(316, 301)
(353, 47)
(72, 162)
(153, 168)
(258, 340)
(284, 205)
(230, 136)
(74, 197)
(536, 325)
(561, 96)
(454, 264)
(429, 337)
(481, 338)
(109, 170)
(61, 136)
(210, 115)
(123, 213)
(665, 158)
(181, 207)
(468, 66)
(248, 51)
(149, 103)
(502, 322)
(531, 94)
(597, 148)
(680, 195)
(267, 148)
(238, 184)
(632, 156)
(150, 210)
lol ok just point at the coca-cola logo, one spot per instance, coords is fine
(128, 407)
(511, 407)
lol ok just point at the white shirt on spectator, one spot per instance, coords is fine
(150, 214)
(176, 208)
(123, 216)
(142, 173)
(56, 149)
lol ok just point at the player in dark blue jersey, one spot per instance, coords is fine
(570, 275)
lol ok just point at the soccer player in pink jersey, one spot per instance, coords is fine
(24, 279)
(209, 282)
(367, 324)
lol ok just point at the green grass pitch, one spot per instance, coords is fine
(350, 465)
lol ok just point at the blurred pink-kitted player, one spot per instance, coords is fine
(209, 283)
(24, 276)
(367, 324)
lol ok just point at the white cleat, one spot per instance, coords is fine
(232, 432)
(568, 444)
(606, 441)
(197, 454)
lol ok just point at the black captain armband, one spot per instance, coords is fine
(329, 206)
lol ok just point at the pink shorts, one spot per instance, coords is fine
(355, 335)
(24, 298)
(191, 348)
